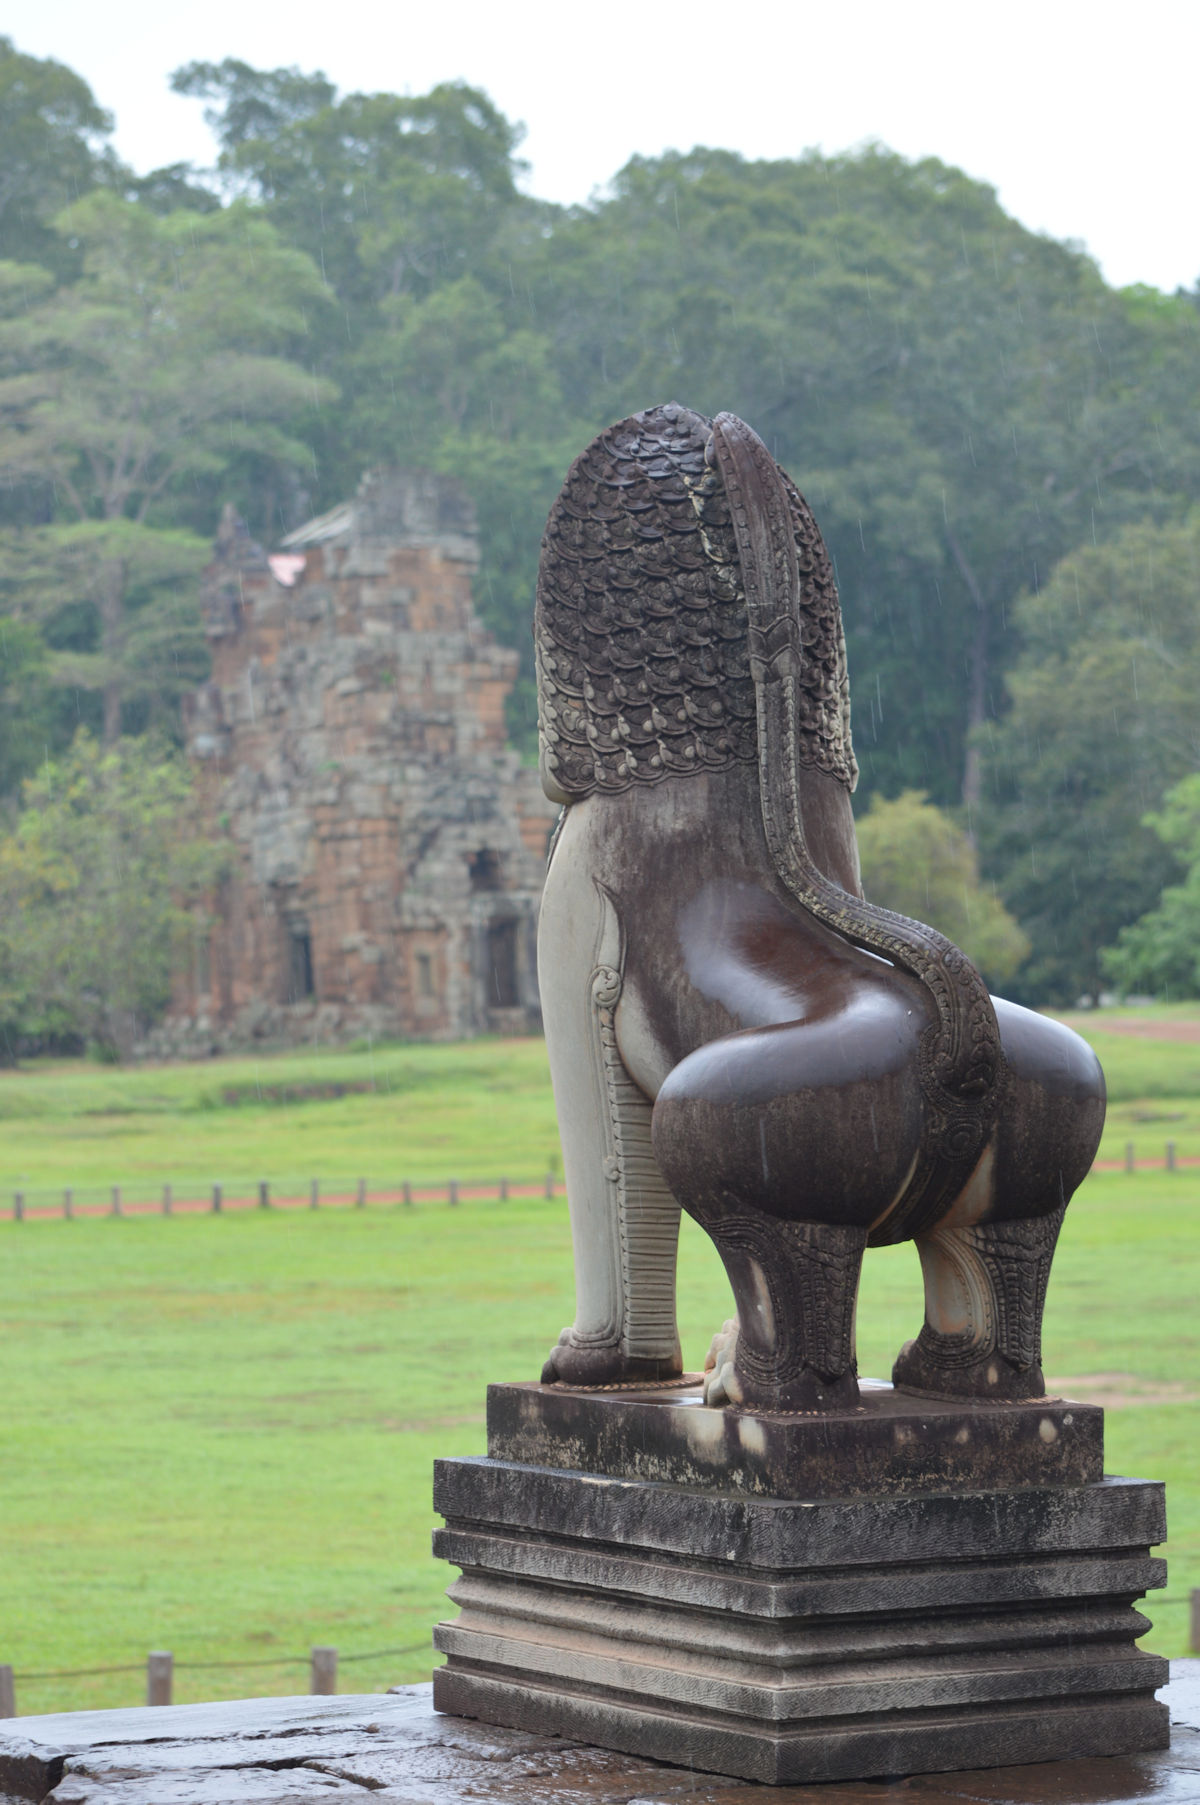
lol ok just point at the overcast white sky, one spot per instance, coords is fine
(1082, 115)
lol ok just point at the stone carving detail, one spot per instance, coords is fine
(810, 1273)
(1001, 1271)
(961, 1061)
(1018, 1256)
(647, 1214)
(642, 642)
(637, 1334)
(803, 1071)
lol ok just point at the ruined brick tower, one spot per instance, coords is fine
(386, 847)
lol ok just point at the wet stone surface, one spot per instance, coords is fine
(292, 1751)
(888, 1443)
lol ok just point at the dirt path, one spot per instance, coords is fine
(1142, 1027)
(1116, 1391)
(1146, 1165)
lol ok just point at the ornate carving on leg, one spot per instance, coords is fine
(792, 1345)
(1018, 1256)
(644, 1344)
(985, 1290)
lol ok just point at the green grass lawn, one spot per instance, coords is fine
(1153, 1085)
(479, 1111)
(475, 1111)
(218, 1430)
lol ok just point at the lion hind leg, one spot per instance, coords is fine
(985, 1293)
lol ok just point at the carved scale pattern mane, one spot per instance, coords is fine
(687, 618)
(640, 629)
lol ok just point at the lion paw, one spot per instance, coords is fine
(721, 1382)
(572, 1362)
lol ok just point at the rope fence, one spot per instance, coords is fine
(196, 1196)
(141, 1198)
(1131, 1163)
(323, 1662)
(160, 1666)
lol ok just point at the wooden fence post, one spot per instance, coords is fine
(160, 1666)
(1170, 1156)
(549, 1184)
(360, 1201)
(8, 1693)
(1194, 1626)
(323, 1671)
(1129, 1156)
(314, 1195)
(18, 1206)
(264, 1194)
(167, 1200)
(216, 1200)
(504, 1190)
(452, 1191)
(406, 1194)
(68, 1202)
(116, 1201)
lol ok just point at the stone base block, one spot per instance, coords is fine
(891, 1442)
(795, 1641)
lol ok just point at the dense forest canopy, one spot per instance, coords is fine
(985, 429)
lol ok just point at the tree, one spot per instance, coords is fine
(95, 884)
(449, 385)
(917, 861)
(52, 581)
(961, 400)
(160, 368)
(28, 727)
(255, 106)
(390, 194)
(171, 189)
(1161, 952)
(1103, 718)
(52, 151)
(411, 208)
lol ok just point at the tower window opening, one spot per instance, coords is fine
(485, 869)
(202, 966)
(300, 963)
(503, 990)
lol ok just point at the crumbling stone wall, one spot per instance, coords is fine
(386, 846)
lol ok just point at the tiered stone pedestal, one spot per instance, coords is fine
(911, 1587)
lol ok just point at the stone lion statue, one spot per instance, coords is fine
(732, 1028)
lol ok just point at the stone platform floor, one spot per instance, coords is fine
(292, 1751)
